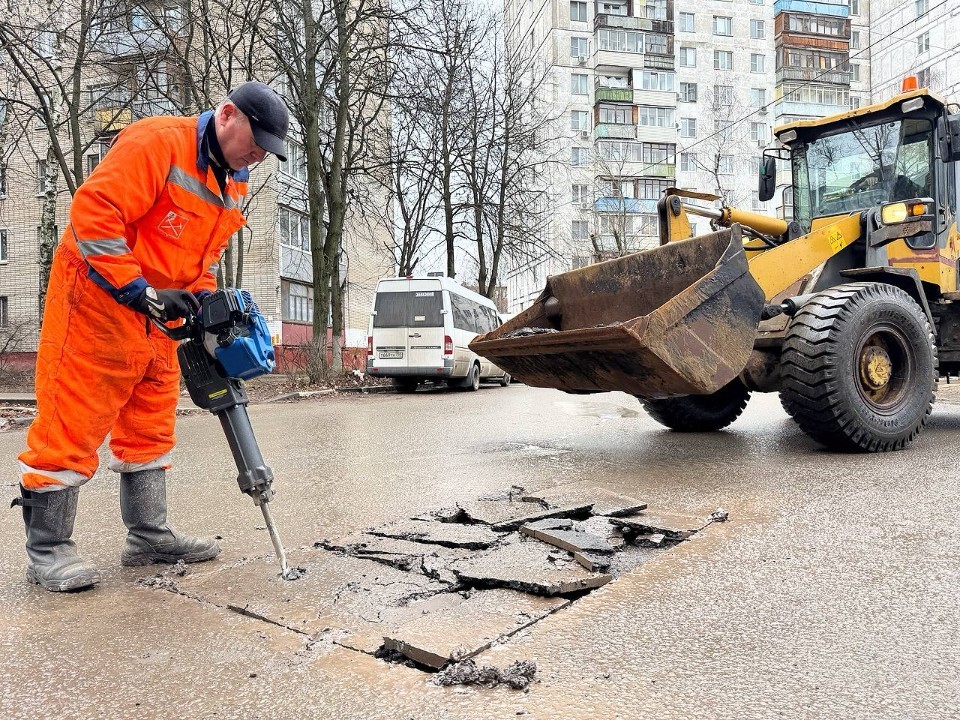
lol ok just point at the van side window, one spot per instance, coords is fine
(470, 315)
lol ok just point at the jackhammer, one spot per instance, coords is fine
(226, 343)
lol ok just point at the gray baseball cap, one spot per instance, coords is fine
(267, 113)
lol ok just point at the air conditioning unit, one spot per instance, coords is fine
(581, 59)
(585, 134)
(586, 206)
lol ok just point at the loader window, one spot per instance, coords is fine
(862, 167)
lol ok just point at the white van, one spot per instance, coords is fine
(420, 328)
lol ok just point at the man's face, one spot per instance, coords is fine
(236, 138)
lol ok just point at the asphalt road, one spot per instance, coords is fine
(831, 592)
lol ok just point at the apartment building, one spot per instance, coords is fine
(276, 245)
(654, 94)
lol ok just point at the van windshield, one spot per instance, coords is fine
(415, 308)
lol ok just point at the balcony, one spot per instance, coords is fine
(120, 44)
(608, 94)
(108, 120)
(611, 130)
(658, 62)
(621, 204)
(806, 109)
(626, 22)
(812, 7)
(149, 107)
(660, 170)
(834, 77)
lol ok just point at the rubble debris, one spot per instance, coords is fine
(549, 524)
(604, 502)
(570, 540)
(496, 512)
(525, 566)
(648, 540)
(527, 332)
(164, 579)
(674, 525)
(460, 631)
(518, 675)
(718, 515)
(471, 537)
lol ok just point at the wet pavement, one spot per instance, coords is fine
(830, 591)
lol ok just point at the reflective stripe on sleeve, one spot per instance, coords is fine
(103, 246)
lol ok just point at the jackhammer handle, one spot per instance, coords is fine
(181, 332)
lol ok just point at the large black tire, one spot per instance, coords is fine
(405, 385)
(700, 413)
(859, 368)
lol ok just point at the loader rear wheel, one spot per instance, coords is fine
(859, 368)
(700, 413)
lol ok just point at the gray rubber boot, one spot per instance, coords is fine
(52, 559)
(143, 504)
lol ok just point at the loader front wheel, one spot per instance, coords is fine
(700, 413)
(859, 368)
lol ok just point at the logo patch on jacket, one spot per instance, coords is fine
(172, 225)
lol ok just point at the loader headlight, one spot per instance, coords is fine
(902, 211)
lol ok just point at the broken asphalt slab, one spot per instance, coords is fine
(675, 526)
(447, 534)
(603, 501)
(527, 566)
(508, 514)
(461, 631)
(570, 540)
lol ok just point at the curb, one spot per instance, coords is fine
(369, 390)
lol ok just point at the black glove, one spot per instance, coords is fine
(165, 305)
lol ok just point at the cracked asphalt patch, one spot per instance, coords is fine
(434, 590)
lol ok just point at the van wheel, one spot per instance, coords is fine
(405, 385)
(471, 382)
(505, 380)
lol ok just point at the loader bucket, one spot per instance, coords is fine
(680, 319)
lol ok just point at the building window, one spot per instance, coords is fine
(688, 162)
(854, 102)
(3, 179)
(758, 133)
(4, 314)
(578, 85)
(758, 97)
(580, 193)
(297, 301)
(616, 115)
(652, 189)
(855, 39)
(688, 57)
(41, 177)
(923, 79)
(722, 25)
(723, 128)
(922, 7)
(723, 95)
(685, 21)
(923, 42)
(757, 29)
(725, 165)
(578, 12)
(580, 229)
(688, 92)
(296, 163)
(45, 42)
(579, 120)
(294, 231)
(579, 156)
(723, 60)
(651, 80)
(688, 127)
(3, 245)
(854, 7)
(757, 62)
(855, 73)
(579, 47)
(655, 116)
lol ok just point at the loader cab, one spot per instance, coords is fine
(861, 161)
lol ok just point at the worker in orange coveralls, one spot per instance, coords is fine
(146, 233)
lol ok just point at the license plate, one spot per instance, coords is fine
(390, 354)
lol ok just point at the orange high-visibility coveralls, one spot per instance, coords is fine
(152, 213)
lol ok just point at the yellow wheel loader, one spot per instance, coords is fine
(851, 311)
